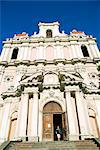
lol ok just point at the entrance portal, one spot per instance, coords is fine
(57, 121)
(53, 116)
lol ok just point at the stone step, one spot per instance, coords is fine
(61, 145)
(55, 149)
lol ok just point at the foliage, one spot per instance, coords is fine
(98, 68)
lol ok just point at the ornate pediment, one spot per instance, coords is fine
(70, 77)
(32, 79)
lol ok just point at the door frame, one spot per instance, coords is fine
(53, 132)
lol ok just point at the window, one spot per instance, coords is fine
(15, 53)
(84, 51)
(33, 54)
(49, 33)
(49, 53)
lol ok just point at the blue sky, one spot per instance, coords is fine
(18, 16)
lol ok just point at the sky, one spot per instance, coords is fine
(17, 16)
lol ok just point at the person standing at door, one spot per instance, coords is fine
(58, 133)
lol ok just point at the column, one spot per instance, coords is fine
(97, 103)
(5, 53)
(78, 51)
(26, 50)
(58, 52)
(97, 50)
(1, 113)
(5, 122)
(1, 75)
(40, 52)
(69, 52)
(89, 51)
(17, 132)
(21, 53)
(35, 116)
(29, 53)
(82, 114)
(23, 116)
(93, 51)
(73, 51)
(72, 119)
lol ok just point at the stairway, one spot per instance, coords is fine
(61, 145)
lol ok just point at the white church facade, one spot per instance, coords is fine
(49, 79)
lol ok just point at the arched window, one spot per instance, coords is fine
(93, 122)
(49, 53)
(52, 107)
(33, 55)
(49, 33)
(15, 53)
(84, 51)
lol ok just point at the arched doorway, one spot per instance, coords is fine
(12, 129)
(93, 122)
(53, 116)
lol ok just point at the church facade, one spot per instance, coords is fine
(49, 79)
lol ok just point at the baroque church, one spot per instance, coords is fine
(49, 79)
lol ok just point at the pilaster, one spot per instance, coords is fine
(97, 50)
(1, 113)
(4, 54)
(41, 51)
(5, 121)
(78, 50)
(72, 120)
(23, 116)
(93, 51)
(35, 116)
(25, 54)
(97, 104)
(73, 50)
(17, 131)
(83, 116)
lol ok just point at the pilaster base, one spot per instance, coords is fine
(3, 140)
(33, 138)
(83, 137)
(73, 137)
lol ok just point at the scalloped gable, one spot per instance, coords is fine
(68, 76)
(31, 78)
(72, 76)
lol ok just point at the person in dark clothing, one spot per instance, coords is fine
(58, 133)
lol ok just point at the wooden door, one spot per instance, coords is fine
(64, 126)
(47, 127)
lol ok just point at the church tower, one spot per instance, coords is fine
(49, 79)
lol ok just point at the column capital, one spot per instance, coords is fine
(35, 91)
(8, 100)
(71, 88)
(67, 90)
(25, 93)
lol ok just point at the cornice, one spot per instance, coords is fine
(54, 61)
(38, 39)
